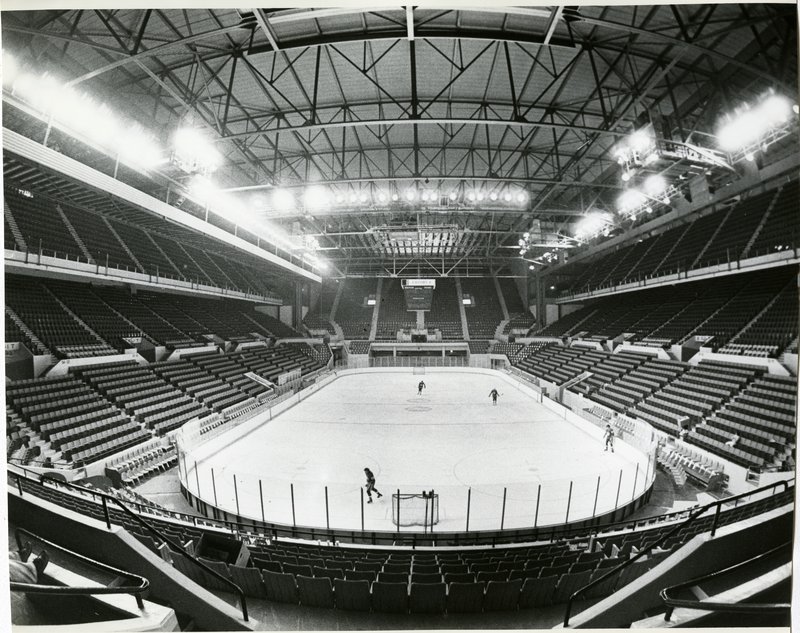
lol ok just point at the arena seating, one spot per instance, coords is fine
(190, 376)
(485, 314)
(715, 399)
(718, 308)
(9, 241)
(509, 349)
(392, 313)
(353, 314)
(149, 255)
(317, 353)
(40, 224)
(359, 347)
(729, 242)
(755, 226)
(143, 317)
(14, 334)
(98, 239)
(479, 347)
(228, 319)
(445, 580)
(444, 313)
(274, 326)
(190, 270)
(780, 229)
(110, 325)
(71, 421)
(142, 394)
(772, 330)
(64, 336)
(756, 294)
(318, 322)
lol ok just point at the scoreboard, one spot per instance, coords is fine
(418, 293)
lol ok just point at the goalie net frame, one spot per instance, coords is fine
(410, 509)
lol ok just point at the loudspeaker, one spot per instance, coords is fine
(223, 548)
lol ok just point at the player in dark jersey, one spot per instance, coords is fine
(420, 387)
(371, 485)
(493, 395)
(608, 436)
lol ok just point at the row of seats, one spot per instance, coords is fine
(755, 308)
(755, 226)
(64, 230)
(717, 401)
(112, 319)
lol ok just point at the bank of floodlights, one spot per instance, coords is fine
(752, 128)
(635, 151)
(82, 115)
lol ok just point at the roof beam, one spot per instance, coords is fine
(410, 22)
(150, 52)
(421, 121)
(555, 16)
(263, 21)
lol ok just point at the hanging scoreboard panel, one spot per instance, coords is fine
(418, 293)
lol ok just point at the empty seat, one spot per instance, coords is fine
(390, 597)
(537, 592)
(465, 597)
(502, 595)
(324, 572)
(428, 597)
(352, 595)
(431, 578)
(249, 580)
(392, 577)
(315, 592)
(280, 587)
(355, 574)
(569, 583)
(487, 576)
(465, 577)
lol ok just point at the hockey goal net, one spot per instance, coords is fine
(420, 509)
(419, 369)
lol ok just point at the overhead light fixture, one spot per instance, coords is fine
(471, 196)
(282, 200)
(507, 196)
(410, 195)
(194, 152)
(315, 196)
(452, 195)
(493, 196)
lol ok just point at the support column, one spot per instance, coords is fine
(297, 306)
(539, 285)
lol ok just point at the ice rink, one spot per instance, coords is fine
(450, 439)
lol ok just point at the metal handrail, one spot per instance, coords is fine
(105, 497)
(751, 607)
(135, 591)
(643, 552)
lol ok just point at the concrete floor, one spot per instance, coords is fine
(519, 462)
